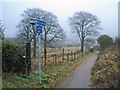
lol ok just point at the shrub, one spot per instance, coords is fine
(12, 57)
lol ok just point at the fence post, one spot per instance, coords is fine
(63, 55)
(71, 56)
(67, 57)
(58, 59)
(28, 57)
(74, 55)
(42, 61)
(55, 59)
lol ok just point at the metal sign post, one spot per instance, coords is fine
(39, 57)
(39, 24)
(39, 30)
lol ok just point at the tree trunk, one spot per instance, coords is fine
(34, 55)
(63, 55)
(27, 38)
(34, 46)
(45, 51)
(82, 41)
(28, 57)
(27, 35)
(82, 46)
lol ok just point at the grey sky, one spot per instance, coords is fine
(105, 10)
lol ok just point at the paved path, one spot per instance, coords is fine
(81, 76)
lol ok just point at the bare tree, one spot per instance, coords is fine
(84, 24)
(28, 31)
(51, 34)
(25, 33)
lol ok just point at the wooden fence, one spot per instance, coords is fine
(63, 57)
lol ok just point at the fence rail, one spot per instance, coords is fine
(56, 59)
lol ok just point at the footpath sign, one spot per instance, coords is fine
(39, 24)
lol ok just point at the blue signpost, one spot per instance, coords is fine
(39, 25)
(39, 58)
(39, 30)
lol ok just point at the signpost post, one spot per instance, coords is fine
(39, 57)
(39, 25)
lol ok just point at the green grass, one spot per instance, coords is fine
(51, 78)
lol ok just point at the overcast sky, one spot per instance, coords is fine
(105, 10)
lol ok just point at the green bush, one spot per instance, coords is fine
(12, 57)
(105, 41)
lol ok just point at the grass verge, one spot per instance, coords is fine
(105, 73)
(51, 78)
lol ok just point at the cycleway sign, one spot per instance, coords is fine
(38, 29)
(39, 24)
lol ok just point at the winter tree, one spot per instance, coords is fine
(84, 24)
(51, 34)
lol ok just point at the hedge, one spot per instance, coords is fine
(12, 57)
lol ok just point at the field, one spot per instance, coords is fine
(51, 51)
(105, 73)
(55, 56)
